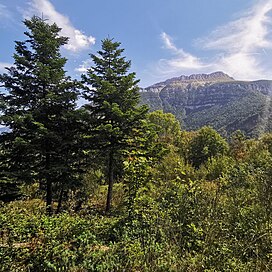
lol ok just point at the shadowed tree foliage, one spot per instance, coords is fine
(40, 110)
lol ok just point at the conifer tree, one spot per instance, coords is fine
(40, 111)
(116, 117)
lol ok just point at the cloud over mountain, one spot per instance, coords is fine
(241, 47)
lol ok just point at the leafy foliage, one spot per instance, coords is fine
(206, 144)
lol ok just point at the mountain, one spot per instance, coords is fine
(214, 99)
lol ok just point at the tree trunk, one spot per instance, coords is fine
(49, 196)
(48, 186)
(110, 182)
(60, 200)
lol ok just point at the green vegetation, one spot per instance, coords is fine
(175, 200)
(245, 113)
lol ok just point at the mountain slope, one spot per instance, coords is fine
(214, 99)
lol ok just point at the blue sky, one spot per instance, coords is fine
(162, 38)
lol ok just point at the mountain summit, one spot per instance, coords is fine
(213, 77)
(216, 76)
(214, 99)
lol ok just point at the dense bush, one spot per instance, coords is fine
(173, 217)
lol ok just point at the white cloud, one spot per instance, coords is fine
(241, 47)
(77, 39)
(245, 34)
(4, 12)
(181, 60)
(84, 66)
(168, 42)
(3, 65)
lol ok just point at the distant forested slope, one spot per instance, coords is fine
(216, 100)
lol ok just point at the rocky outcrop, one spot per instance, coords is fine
(213, 99)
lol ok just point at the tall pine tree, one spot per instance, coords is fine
(116, 117)
(40, 111)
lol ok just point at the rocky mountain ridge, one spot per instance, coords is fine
(213, 77)
(214, 99)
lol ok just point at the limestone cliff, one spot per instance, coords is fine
(214, 99)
